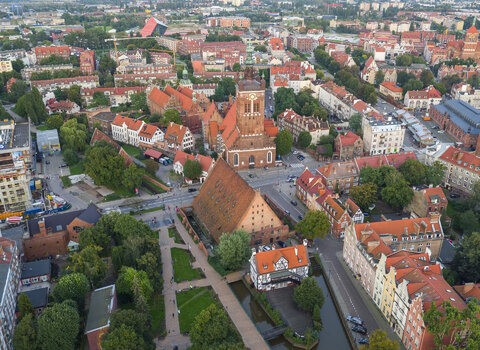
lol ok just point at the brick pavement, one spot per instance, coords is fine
(250, 335)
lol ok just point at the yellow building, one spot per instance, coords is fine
(388, 294)
(5, 66)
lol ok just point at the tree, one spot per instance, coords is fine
(58, 327)
(70, 157)
(225, 88)
(376, 175)
(355, 122)
(126, 279)
(17, 90)
(73, 135)
(90, 264)
(73, 94)
(73, 286)
(122, 338)
(412, 85)
(364, 195)
(132, 177)
(304, 139)
(314, 225)
(379, 77)
(378, 341)
(107, 65)
(54, 121)
(25, 335)
(427, 77)
(396, 193)
(104, 165)
(261, 48)
(139, 322)
(467, 258)
(284, 142)
(468, 222)
(99, 99)
(192, 169)
(151, 166)
(234, 249)
(447, 323)
(127, 226)
(212, 329)
(25, 306)
(414, 172)
(171, 115)
(308, 294)
(435, 173)
(139, 102)
(60, 95)
(18, 65)
(404, 60)
(237, 67)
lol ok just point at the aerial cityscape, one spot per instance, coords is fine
(239, 174)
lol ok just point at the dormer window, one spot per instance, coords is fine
(265, 267)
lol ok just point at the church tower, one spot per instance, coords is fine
(250, 100)
(471, 42)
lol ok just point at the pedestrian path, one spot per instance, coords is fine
(250, 335)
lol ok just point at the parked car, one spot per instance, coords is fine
(300, 217)
(441, 131)
(356, 320)
(359, 329)
(294, 203)
(192, 190)
(47, 162)
(300, 157)
(266, 248)
(282, 244)
(251, 176)
(63, 165)
(287, 212)
(454, 195)
(363, 341)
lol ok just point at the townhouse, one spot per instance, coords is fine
(143, 78)
(465, 92)
(369, 71)
(47, 51)
(293, 74)
(115, 95)
(389, 88)
(178, 137)
(279, 268)
(28, 71)
(340, 177)
(348, 146)
(426, 201)
(337, 100)
(295, 123)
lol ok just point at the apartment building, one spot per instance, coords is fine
(382, 135)
(85, 82)
(116, 96)
(228, 22)
(295, 123)
(348, 146)
(340, 177)
(463, 169)
(28, 71)
(178, 137)
(302, 43)
(87, 62)
(143, 78)
(47, 51)
(15, 166)
(135, 132)
(5, 66)
(422, 99)
(188, 47)
(145, 69)
(9, 284)
(389, 88)
(337, 100)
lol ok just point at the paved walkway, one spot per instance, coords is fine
(250, 335)
(173, 338)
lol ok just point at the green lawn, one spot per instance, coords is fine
(132, 151)
(148, 210)
(77, 169)
(42, 127)
(66, 181)
(181, 265)
(152, 187)
(191, 303)
(157, 313)
(172, 232)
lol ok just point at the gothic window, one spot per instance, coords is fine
(235, 159)
(269, 157)
(256, 107)
(247, 107)
(251, 160)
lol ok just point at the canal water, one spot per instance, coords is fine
(332, 335)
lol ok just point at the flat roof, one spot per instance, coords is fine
(101, 305)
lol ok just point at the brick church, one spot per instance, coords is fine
(246, 141)
(468, 48)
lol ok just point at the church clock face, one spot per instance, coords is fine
(252, 97)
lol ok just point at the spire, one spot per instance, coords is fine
(249, 60)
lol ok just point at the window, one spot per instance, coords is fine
(235, 159)
(247, 108)
(256, 107)
(269, 157)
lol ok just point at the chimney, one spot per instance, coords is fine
(254, 251)
(41, 227)
(417, 227)
(296, 251)
(305, 242)
(424, 227)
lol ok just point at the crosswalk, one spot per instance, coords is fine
(297, 165)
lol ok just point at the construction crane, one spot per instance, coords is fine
(114, 39)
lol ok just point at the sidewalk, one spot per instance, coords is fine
(250, 335)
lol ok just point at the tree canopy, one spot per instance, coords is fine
(58, 327)
(25, 335)
(284, 142)
(128, 277)
(89, 263)
(314, 225)
(234, 249)
(171, 115)
(73, 286)
(364, 195)
(104, 165)
(304, 139)
(73, 135)
(122, 338)
(378, 341)
(308, 294)
(467, 258)
(192, 169)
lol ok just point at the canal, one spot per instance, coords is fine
(332, 335)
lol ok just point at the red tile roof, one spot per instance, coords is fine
(152, 153)
(472, 30)
(270, 128)
(465, 160)
(132, 124)
(182, 157)
(468, 290)
(175, 132)
(186, 102)
(158, 97)
(435, 191)
(397, 159)
(348, 139)
(390, 85)
(148, 131)
(295, 255)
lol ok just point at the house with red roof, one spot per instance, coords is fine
(422, 99)
(426, 201)
(178, 137)
(153, 26)
(135, 132)
(389, 88)
(47, 51)
(343, 59)
(276, 48)
(348, 146)
(67, 107)
(115, 95)
(369, 71)
(337, 215)
(205, 162)
(279, 268)
(295, 123)
(463, 169)
(311, 190)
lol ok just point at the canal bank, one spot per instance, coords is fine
(333, 334)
